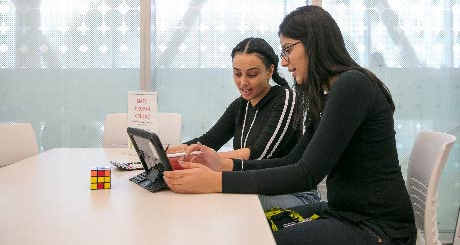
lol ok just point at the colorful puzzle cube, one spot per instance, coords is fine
(100, 178)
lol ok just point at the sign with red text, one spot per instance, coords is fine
(142, 110)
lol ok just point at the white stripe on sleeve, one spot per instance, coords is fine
(280, 121)
(285, 126)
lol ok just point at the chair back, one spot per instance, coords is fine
(17, 142)
(169, 128)
(427, 159)
(115, 135)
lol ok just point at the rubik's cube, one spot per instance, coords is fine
(100, 178)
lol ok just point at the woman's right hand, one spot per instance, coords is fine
(207, 157)
(177, 149)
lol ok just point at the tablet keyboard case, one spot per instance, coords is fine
(151, 180)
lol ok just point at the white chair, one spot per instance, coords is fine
(169, 128)
(115, 136)
(17, 142)
(427, 159)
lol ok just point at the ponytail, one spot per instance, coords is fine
(278, 79)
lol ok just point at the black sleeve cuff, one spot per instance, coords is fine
(236, 165)
(252, 153)
(194, 141)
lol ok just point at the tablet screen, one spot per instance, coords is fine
(149, 149)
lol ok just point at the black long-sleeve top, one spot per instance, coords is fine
(354, 145)
(271, 134)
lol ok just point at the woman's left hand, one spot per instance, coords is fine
(194, 178)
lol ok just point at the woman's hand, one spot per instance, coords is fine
(194, 178)
(177, 149)
(207, 157)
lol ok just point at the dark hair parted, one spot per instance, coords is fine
(326, 55)
(264, 51)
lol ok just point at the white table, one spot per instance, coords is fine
(46, 199)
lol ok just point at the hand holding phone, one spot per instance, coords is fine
(174, 159)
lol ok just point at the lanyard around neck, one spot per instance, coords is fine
(250, 127)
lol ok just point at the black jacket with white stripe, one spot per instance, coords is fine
(267, 129)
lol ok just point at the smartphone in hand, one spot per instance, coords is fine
(174, 159)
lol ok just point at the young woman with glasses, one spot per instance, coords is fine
(349, 138)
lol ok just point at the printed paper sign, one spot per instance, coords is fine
(142, 110)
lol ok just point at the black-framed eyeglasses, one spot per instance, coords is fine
(287, 50)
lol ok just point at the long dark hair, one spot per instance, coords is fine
(263, 50)
(326, 55)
